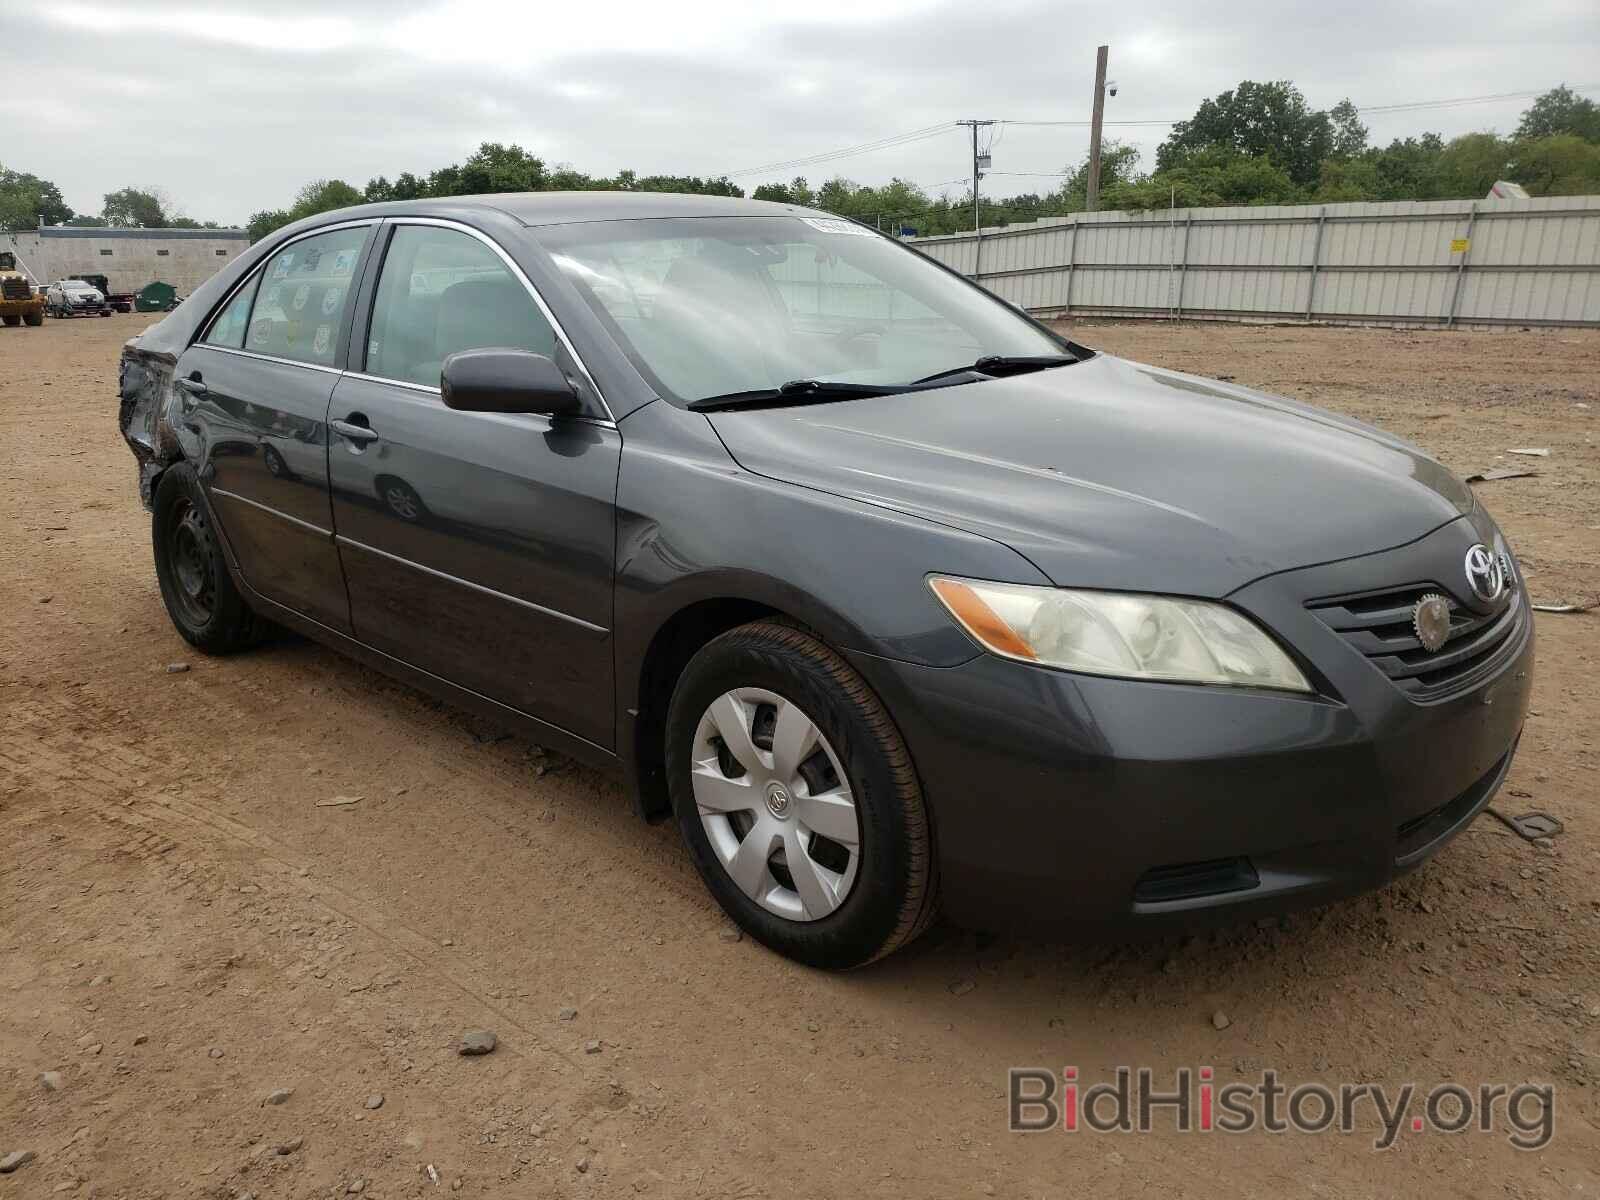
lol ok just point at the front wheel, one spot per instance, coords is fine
(798, 800)
(199, 594)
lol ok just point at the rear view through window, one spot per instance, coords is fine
(441, 291)
(302, 296)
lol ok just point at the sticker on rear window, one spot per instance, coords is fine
(837, 225)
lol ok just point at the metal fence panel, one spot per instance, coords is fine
(1435, 262)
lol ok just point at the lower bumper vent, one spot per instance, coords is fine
(1186, 881)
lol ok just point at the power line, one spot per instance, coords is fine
(898, 139)
(931, 131)
(1408, 106)
(1421, 104)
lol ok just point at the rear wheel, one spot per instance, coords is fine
(798, 800)
(199, 594)
(12, 319)
(34, 318)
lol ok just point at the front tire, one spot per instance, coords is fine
(797, 798)
(199, 594)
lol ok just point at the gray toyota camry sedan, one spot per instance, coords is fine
(893, 599)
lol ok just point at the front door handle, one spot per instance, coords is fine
(359, 434)
(193, 385)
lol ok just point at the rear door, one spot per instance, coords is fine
(477, 546)
(257, 387)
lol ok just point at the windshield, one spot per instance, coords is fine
(714, 306)
(78, 285)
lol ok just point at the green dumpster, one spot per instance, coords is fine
(156, 297)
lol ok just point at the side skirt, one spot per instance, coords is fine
(513, 720)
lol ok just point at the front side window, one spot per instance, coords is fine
(441, 291)
(228, 329)
(301, 300)
(712, 306)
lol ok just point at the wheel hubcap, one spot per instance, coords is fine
(775, 804)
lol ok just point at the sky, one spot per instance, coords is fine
(230, 107)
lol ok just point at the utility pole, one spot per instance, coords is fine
(978, 163)
(1094, 128)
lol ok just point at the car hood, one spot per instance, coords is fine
(1112, 474)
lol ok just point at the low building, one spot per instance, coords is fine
(128, 258)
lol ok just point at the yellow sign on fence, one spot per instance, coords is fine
(1460, 245)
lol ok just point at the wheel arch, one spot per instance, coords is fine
(687, 627)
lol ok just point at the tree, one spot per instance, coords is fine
(1119, 163)
(264, 222)
(85, 221)
(492, 167)
(1408, 169)
(1346, 179)
(406, 186)
(1349, 134)
(1207, 178)
(320, 195)
(1561, 110)
(134, 208)
(1561, 165)
(796, 191)
(26, 201)
(1470, 164)
(1261, 120)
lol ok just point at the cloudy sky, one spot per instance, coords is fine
(231, 106)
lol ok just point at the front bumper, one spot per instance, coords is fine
(1064, 800)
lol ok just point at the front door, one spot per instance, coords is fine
(477, 546)
(256, 389)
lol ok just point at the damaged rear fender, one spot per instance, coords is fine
(151, 416)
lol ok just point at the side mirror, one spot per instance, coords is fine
(506, 381)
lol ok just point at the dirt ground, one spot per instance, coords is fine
(184, 931)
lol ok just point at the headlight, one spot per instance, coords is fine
(1116, 633)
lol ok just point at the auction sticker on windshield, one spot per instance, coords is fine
(836, 225)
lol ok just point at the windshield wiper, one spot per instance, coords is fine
(1004, 364)
(796, 390)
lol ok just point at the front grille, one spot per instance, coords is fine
(1378, 625)
(12, 288)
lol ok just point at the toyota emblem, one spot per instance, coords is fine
(1485, 576)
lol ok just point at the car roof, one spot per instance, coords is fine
(561, 208)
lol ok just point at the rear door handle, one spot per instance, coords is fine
(193, 386)
(359, 434)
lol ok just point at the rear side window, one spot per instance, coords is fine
(440, 291)
(302, 297)
(228, 329)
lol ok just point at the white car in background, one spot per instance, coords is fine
(75, 298)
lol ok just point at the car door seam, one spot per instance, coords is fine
(267, 508)
(341, 539)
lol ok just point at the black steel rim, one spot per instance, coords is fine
(189, 555)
